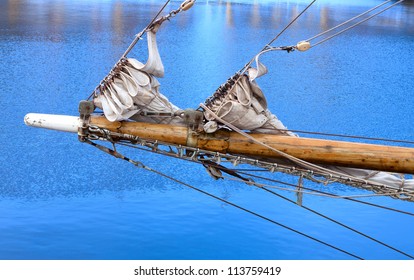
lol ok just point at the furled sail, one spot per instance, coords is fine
(132, 91)
(240, 102)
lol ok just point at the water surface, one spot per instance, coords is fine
(60, 199)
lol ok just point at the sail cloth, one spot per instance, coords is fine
(133, 90)
(244, 105)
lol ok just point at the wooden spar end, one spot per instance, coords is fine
(328, 152)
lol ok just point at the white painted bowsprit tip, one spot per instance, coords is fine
(54, 122)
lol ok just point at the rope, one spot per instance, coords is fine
(349, 136)
(285, 155)
(244, 69)
(249, 182)
(313, 192)
(141, 165)
(318, 193)
(333, 195)
(138, 36)
(340, 224)
(358, 23)
(346, 22)
(269, 48)
(243, 171)
(196, 155)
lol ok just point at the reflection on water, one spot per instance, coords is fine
(91, 25)
(63, 199)
(52, 18)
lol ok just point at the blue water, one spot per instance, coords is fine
(61, 199)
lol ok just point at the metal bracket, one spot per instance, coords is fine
(193, 119)
(86, 108)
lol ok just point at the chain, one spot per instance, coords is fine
(202, 156)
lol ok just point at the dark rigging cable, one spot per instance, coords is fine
(249, 182)
(284, 183)
(141, 165)
(331, 194)
(253, 213)
(337, 222)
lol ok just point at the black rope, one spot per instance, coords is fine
(136, 39)
(253, 213)
(234, 171)
(130, 47)
(215, 165)
(337, 222)
(284, 183)
(331, 194)
(267, 46)
(326, 217)
(320, 214)
(140, 165)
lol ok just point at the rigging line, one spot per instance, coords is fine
(260, 185)
(342, 24)
(244, 69)
(296, 160)
(136, 39)
(139, 35)
(349, 136)
(288, 184)
(359, 22)
(237, 171)
(376, 194)
(333, 195)
(141, 165)
(336, 222)
(287, 26)
(254, 213)
(314, 192)
(201, 161)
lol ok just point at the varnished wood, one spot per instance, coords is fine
(329, 152)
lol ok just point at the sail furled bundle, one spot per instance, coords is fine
(241, 102)
(131, 92)
(132, 89)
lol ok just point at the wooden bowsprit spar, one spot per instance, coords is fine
(317, 157)
(318, 151)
